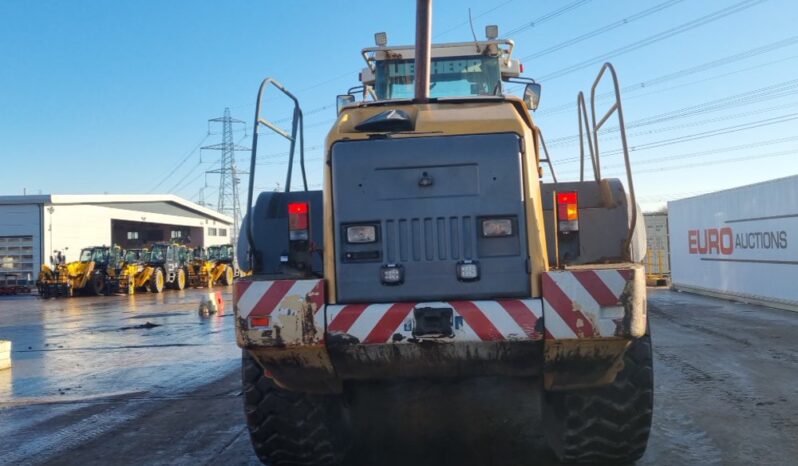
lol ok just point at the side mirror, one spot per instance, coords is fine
(342, 101)
(532, 96)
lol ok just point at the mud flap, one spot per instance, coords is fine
(592, 314)
(281, 323)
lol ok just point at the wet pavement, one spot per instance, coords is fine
(147, 380)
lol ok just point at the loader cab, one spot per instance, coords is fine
(164, 255)
(135, 256)
(222, 253)
(102, 256)
(462, 69)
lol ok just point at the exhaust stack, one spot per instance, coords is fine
(423, 49)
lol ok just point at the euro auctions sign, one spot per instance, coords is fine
(724, 241)
(742, 242)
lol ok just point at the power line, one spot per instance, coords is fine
(752, 145)
(180, 164)
(746, 158)
(480, 15)
(773, 91)
(682, 73)
(193, 170)
(603, 29)
(547, 17)
(706, 19)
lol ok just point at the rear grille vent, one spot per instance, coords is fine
(428, 239)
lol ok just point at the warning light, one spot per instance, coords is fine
(568, 211)
(298, 221)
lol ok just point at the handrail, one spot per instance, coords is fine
(548, 158)
(582, 117)
(297, 124)
(616, 107)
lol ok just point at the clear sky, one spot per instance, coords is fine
(114, 96)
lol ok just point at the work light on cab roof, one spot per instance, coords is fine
(478, 69)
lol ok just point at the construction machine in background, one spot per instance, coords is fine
(199, 269)
(134, 273)
(169, 263)
(436, 252)
(224, 266)
(96, 272)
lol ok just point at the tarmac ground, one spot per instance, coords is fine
(146, 379)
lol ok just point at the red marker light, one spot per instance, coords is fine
(568, 211)
(259, 321)
(298, 221)
(298, 208)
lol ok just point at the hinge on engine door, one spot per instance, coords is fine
(523, 146)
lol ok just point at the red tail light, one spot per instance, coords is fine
(298, 221)
(568, 211)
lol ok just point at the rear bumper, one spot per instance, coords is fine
(574, 335)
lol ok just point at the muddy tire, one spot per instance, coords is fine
(156, 284)
(604, 424)
(290, 428)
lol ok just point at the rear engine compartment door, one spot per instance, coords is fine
(418, 205)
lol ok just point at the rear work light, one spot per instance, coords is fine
(568, 211)
(468, 270)
(497, 227)
(392, 274)
(298, 221)
(359, 234)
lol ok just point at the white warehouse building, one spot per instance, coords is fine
(33, 228)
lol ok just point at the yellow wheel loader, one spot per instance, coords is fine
(223, 259)
(199, 269)
(169, 267)
(96, 272)
(437, 255)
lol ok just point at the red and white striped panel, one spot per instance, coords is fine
(509, 319)
(254, 298)
(584, 303)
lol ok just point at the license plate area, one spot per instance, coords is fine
(433, 322)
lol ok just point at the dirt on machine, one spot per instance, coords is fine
(443, 248)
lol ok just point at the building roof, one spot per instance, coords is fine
(160, 203)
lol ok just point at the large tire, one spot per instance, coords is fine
(229, 275)
(97, 284)
(180, 280)
(291, 428)
(156, 284)
(604, 424)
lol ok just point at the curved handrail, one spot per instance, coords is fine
(616, 107)
(584, 125)
(297, 123)
(548, 157)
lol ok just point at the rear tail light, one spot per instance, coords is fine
(568, 211)
(298, 221)
(259, 322)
